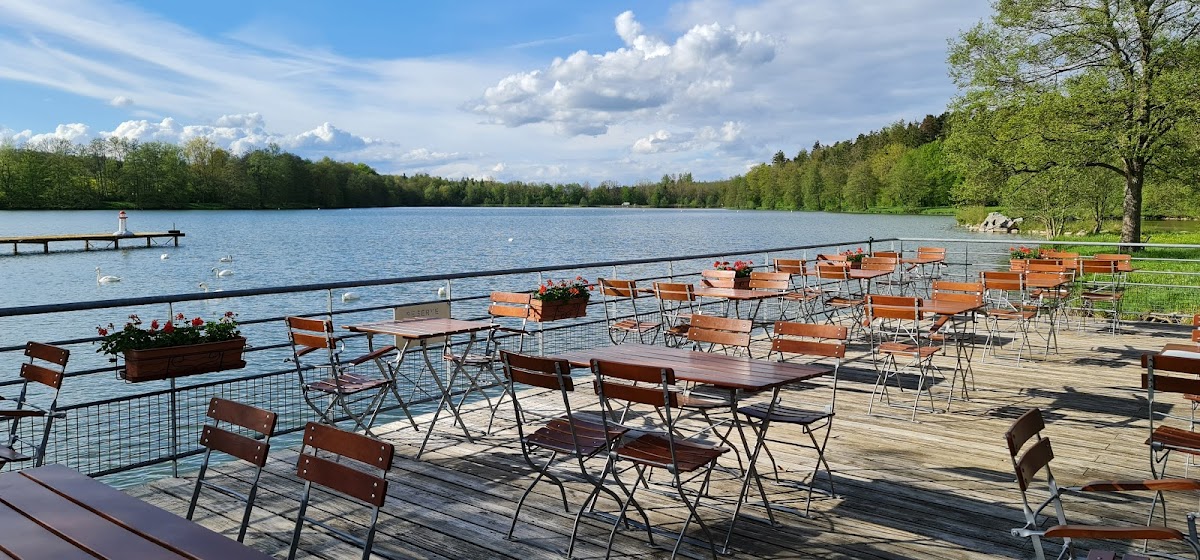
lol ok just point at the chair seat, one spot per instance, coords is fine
(1178, 439)
(589, 434)
(1102, 296)
(785, 414)
(471, 359)
(1011, 314)
(349, 384)
(801, 296)
(655, 450)
(843, 302)
(8, 454)
(633, 326)
(678, 330)
(908, 349)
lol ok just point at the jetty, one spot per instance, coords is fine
(97, 240)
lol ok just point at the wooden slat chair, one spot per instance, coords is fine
(957, 330)
(896, 332)
(249, 449)
(900, 281)
(509, 311)
(769, 282)
(350, 464)
(1102, 282)
(1005, 294)
(46, 366)
(930, 272)
(1053, 302)
(801, 296)
(1029, 461)
(714, 278)
(572, 437)
(840, 296)
(808, 341)
(337, 390)
(676, 306)
(709, 333)
(654, 386)
(1167, 433)
(621, 312)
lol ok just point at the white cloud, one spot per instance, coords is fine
(584, 94)
(121, 101)
(74, 132)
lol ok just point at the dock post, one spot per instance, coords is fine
(46, 247)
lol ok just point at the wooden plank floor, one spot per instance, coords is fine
(941, 487)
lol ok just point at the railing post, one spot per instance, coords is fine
(870, 245)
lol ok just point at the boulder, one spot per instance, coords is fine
(997, 222)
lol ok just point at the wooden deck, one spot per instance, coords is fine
(938, 488)
(94, 240)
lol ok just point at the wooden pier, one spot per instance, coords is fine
(942, 487)
(95, 240)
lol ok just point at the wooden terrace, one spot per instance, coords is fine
(942, 487)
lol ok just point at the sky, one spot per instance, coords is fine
(527, 90)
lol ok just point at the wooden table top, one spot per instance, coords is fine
(949, 307)
(736, 293)
(923, 260)
(1182, 350)
(55, 512)
(856, 274)
(418, 328)
(729, 372)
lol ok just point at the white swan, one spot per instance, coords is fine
(204, 286)
(442, 292)
(105, 279)
(164, 256)
(222, 272)
(349, 296)
(226, 258)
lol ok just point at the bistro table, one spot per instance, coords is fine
(425, 331)
(56, 512)
(737, 374)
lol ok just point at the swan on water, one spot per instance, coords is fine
(222, 272)
(105, 279)
(349, 296)
(164, 256)
(442, 292)
(226, 258)
(204, 286)
(510, 240)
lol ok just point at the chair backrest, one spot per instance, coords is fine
(831, 257)
(931, 252)
(791, 266)
(905, 308)
(307, 334)
(879, 263)
(1045, 265)
(1099, 266)
(886, 254)
(337, 474)
(945, 290)
(1061, 255)
(47, 364)
(720, 332)
(833, 270)
(509, 304)
(545, 373)
(770, 281)
(1119, 257)
(674, 291)
(614, 288)
(714, 278)
(827, 341)
(620, 299)
(1007, 281)
(252, 418)
(636, 383)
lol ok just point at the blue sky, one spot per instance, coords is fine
(523, 90)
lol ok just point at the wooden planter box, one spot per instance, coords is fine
(178, 361)
(741, 283)
(855, 264)
(543, 311)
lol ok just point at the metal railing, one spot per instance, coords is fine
(112, 427)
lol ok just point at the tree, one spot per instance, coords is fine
(1081, 83)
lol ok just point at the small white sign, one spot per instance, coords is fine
(439, 309)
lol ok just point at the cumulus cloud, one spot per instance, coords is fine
(706, 138)
(121, 101)
(73, 132)
(585, 94)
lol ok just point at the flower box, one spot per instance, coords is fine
(741, 283)
(543, 311)
(178, 361)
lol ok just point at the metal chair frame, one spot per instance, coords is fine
(801, 294)
(1164, 437)
(503, 308)
(47, 366)
(248, 449)
(359, 482)
(839, 297)
(343, 390)
(1102, 281)
(676, 306)
(999, 291)
(896, 330)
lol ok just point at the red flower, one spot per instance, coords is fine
(154, 325)
(574, 291)
(579, 278)
(197, 322)
(860, 250)
(716, 264)
(541, 289)
(102, 331)
(179, 316)
(169, 327)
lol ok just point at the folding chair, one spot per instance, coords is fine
(1052, 302)
(1029, 461)
(899, 282)
(569, 437)
(46, 366)
(676, 306)
(510, 312)
(1103, 282)
(1166, 434)
(929, 276)
(653, 386)
(811, 341)
(769, 282)
(801, 294)
(337, 388)
(1005, 294)
(709, 333)
(249, 449)
(714, 278)
(896, 333)
(350, 470)
(840, 295)
(621, 312)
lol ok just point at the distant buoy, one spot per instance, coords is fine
(164, 256)
(349, 296)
